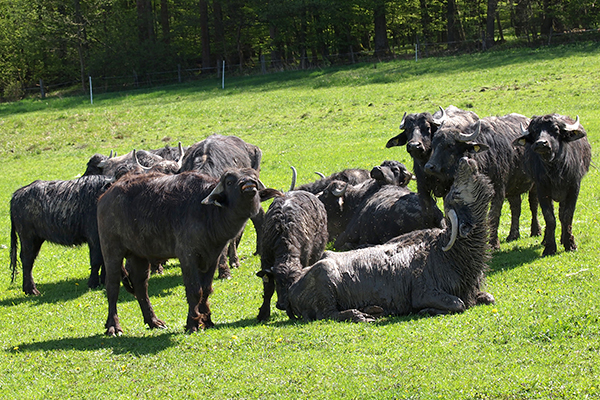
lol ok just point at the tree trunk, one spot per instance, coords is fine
(382, 47)
(204, 36)
(219, 31)
(451, 21)
(491, 16)
(144, 13)
(81, 41)
(164, 21)
(425, 20)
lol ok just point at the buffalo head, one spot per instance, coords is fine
(448, 146)
(547, 133)
(418, 129)
(392, 172)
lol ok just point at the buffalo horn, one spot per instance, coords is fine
(294, 177)
(524, 131)
(454, 224)
(320, 174)
(181, 154)
(439, 121)
(573, 127)
(138, 161)
(340, 192)
(403, 120)
(110, 155)
(472, 136)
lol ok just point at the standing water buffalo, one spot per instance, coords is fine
(189, 216)
(489, 141)
(557, 156)
(62, 212)
(417, 134)
(430, 271)
(294, 237)
(213, 156)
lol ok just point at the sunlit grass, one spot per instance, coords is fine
(540, 340)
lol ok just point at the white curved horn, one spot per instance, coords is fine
(472, 136)
(294, 177)
(403, 120)
(454, 224)
(573, 127)
(439, 121)
(181, 154)
(320, 174)
(135, 159)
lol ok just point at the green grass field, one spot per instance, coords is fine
(540, 340)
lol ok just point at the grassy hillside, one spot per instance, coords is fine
(540, 340)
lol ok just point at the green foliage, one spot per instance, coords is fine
(540, 340)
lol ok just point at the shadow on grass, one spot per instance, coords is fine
(138, 345)
(71, 289)
(513, 258)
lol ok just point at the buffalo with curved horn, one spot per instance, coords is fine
(430, 271)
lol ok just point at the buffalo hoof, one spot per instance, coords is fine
(536, 230)
(549, 250)
(157, 324)
(495, 244)
(513, 236)
(114, 331)
(32, 292)
(485, 298)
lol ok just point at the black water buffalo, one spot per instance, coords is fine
(62, 212)
(557, 156)
(342, 200)
(294, 237)
(108, 166)
(418, 131)
(489, 141)
(430, 271)
(353, 176)
(190, 216)
(389, 212)
(215, 155)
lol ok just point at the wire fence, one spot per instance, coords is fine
(261, 65)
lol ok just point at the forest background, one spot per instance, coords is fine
(51, 44)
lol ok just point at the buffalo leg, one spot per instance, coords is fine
(139, 273)
(97, 266)
(30, 248)
(224, 271)
(258, 221)
(197, 278)
(536, 229)
(548, 212)
(566, 210)
(435, 302)
(515, 216)
(494, 218)
(264, 312)
(114, 269)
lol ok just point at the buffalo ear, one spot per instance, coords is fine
(399, 140)
(520, 141)
(268, 193)
(571, 136)
(475, 147)
(215, 197)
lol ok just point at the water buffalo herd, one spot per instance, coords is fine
(394, 252)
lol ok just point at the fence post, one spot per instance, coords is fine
(42, 88)
(263, 65)
(223, 76)
(179, 72)
(91, 92)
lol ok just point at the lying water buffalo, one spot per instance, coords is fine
(153, 217)
(431, 271)
(557, 156)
